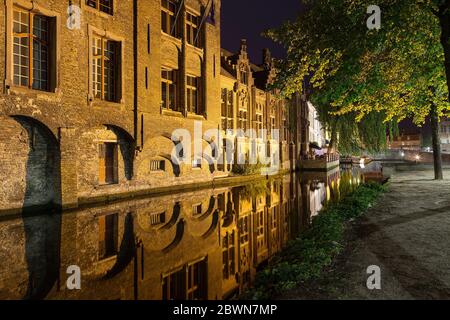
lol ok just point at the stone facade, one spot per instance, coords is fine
(97, 125)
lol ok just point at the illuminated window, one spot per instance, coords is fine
(106, 69)
(105, 6)
(169, 89)
(193, 94)
(227, 109)
(192, 31)
(168, 16)
(32, 49)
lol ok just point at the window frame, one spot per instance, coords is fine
(190, 90)
(95, 32)
(167, 85)
(192, 28)
(98, 5)
(169, 14)
(228, 105)
(54, 49)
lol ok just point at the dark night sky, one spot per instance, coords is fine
(249, 18)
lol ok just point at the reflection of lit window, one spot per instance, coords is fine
(108, 236)
(244, 229)
(188, 282)
(228, 255)
(197, 209)
(157, 218)
(157, 165)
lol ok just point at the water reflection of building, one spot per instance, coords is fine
(199, 245)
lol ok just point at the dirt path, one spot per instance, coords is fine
(406, 234)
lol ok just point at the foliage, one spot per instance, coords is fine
(364, 81)
(306, 257)
(248, 169)
(254, 189)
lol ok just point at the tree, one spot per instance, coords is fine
(375, 76)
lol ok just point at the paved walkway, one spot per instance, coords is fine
(406, 234)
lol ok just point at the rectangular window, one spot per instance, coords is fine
(244, 231)
(197, 209)
(187, 283)
(193, 94)
(157, 218)
(242, 119)
(157, 165)
(105, 6)
(227, 109)
(108, 163)
(32, 49)
(106, 69)
(168, 15)
(244, 76)
(192, 24)
(169, 89)
(228, 255)
(108, 236)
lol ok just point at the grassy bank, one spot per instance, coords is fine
(306, 257)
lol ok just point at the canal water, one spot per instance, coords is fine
(205, 244)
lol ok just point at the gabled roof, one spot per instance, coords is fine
(225, 73)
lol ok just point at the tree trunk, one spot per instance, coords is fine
(437, 157)
(444, 20)
(333, 138)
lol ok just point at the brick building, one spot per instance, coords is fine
(93, 93)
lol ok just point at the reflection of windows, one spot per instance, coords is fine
(102, 5)
(193, 94)
(169, 89)
(168, 12)
(32, 49)
(188, 282)
(197, 209)
(260, 232)
(108, 163)
(157, 165)
(106, 69)
(192, 22)
(108, 236)
(227, 109)
(157, 218)
(228, 255)
(244, 225)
